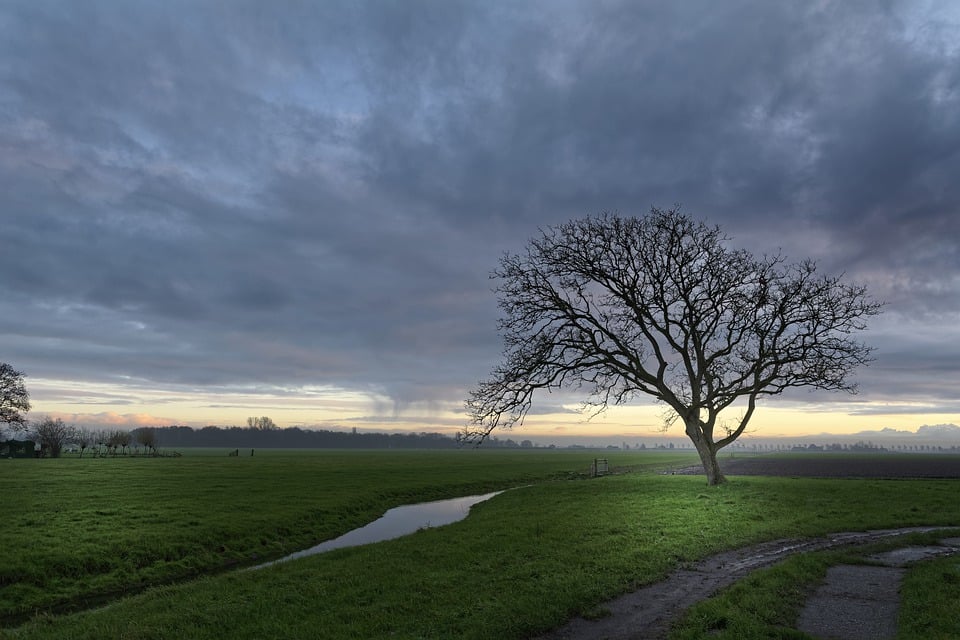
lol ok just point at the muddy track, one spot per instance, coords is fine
(647, 613)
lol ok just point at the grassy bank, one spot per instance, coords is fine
(522, 563)
(82, 530)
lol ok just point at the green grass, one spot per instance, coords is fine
(84, 530)
(930, 605)
(522, 563)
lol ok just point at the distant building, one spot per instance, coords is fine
(17, 449)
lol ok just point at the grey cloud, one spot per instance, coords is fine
(905, 409)
(314, 194)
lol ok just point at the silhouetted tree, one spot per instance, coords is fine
(52, 434)
(118, 439)
(84, 438)
(112, 440)
(101, 438)
(148, 438)
(660, 306)
(14, 398)
(124, 439)
(261, 424)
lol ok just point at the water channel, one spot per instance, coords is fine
(395, 523)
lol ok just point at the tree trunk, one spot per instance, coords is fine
(708, 455)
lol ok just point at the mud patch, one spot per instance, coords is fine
(854, 603)
(862, 602)
(909, 555)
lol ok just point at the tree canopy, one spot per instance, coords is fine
(262, 423)
(661, 306)
(53, 434)
(14, 399)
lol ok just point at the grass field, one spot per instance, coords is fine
(85, 530)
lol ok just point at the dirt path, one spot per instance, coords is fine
(857, 602)
(647, 613)
(854, 603)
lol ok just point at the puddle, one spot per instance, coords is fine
(908, 555)
(395, 523)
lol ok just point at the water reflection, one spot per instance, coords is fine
(396, 522)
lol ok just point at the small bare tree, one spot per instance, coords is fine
(148, 438)
(124, 439)
(660, 306)
(52, 434)
(262, 423)
(117, 438)
(101, 439)
(84, 438)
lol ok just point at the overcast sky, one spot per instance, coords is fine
(285, 208)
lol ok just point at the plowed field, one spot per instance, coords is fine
(843, 466)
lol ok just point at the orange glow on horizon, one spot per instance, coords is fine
(343, 409)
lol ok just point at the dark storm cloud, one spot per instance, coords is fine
(208, 193)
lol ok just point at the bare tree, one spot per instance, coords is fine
(112, 441)
(52, 434)
(660, 306)
(84, 438)
(117, 438)
(123, 440)
(261, 424)
(101, 439)
(148, 438)
(14, 399)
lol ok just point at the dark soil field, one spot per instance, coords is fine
(825, 465)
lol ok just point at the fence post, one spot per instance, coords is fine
(599, 467)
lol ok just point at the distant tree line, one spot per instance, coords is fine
(263, 432)
(49, 437)
(256, 435)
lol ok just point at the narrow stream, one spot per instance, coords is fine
(395, 523)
